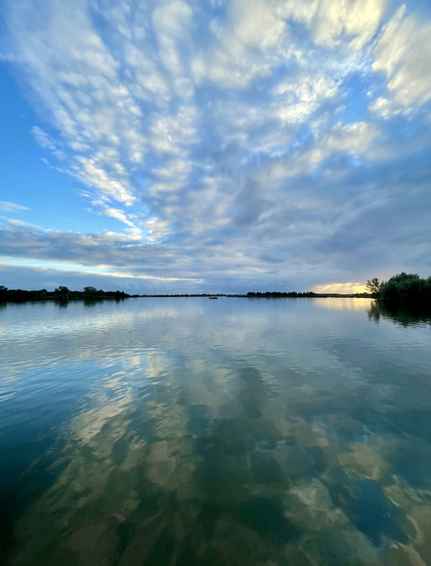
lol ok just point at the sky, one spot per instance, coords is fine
(214, 145)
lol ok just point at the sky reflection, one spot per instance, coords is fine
(201, 431)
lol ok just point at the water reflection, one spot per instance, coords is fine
(225, 432)
(406, 316)
(344, 303)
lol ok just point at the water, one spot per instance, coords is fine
(189, 431)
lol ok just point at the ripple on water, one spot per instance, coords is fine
(186, 432)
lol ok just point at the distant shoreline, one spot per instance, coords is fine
(265, 295)
(63, 295)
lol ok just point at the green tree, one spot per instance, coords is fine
(406, 288)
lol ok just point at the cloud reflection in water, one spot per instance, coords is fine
(227, 431)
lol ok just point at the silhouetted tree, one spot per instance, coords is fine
(90, 290)
(406, 288)
(373, 286)
(3, 293)
(62, 293)
(62, 290)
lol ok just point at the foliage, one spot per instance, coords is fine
(62, 291)
(90, 290)
(61, 295)
(406, 288)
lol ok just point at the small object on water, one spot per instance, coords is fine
(212, 297)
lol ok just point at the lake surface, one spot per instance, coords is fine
(238, 432)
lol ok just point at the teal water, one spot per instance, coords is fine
(229, 432)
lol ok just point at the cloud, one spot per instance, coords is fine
(403, 55)
(80, 269)
(237, 143)
(385, 108)
(354, 138)
(293, 236)
(43, 138)
(345, 288)
(46, 142)
(7, 206)
(119, 215)
(244, 44)
(107, 176)
(256, 23)
(358, 20)
(301, 97)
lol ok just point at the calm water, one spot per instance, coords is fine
(238, 432)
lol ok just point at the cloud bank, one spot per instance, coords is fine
(239, 144)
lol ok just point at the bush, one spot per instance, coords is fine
(406, 288)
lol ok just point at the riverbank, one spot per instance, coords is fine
(64, 295)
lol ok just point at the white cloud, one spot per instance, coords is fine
(157, 229)
(172, 133)
(195, 124)
(385, 108)
(301, 96)
(337, 23)
(119, 215)
(172, 18)
(97, 270)
(243, 46)
(171, 22)
(46, 142)
(354, 138)
(256, 23)
(8, 206)
(43, 138)
(80, 88)
(95, 174)
(403, 54)
(356, 20)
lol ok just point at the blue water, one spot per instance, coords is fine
(237, 432)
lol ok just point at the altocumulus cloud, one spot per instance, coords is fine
(241, 144)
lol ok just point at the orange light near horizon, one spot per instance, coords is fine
(343, 288)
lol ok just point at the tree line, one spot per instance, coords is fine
(402, 289)
(61, 294)
(407, 289)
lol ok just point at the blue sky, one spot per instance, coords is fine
(214, 145)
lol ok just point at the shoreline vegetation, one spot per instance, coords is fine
(90, 294)
(404, 298)
(405, 290)
(60, 295)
